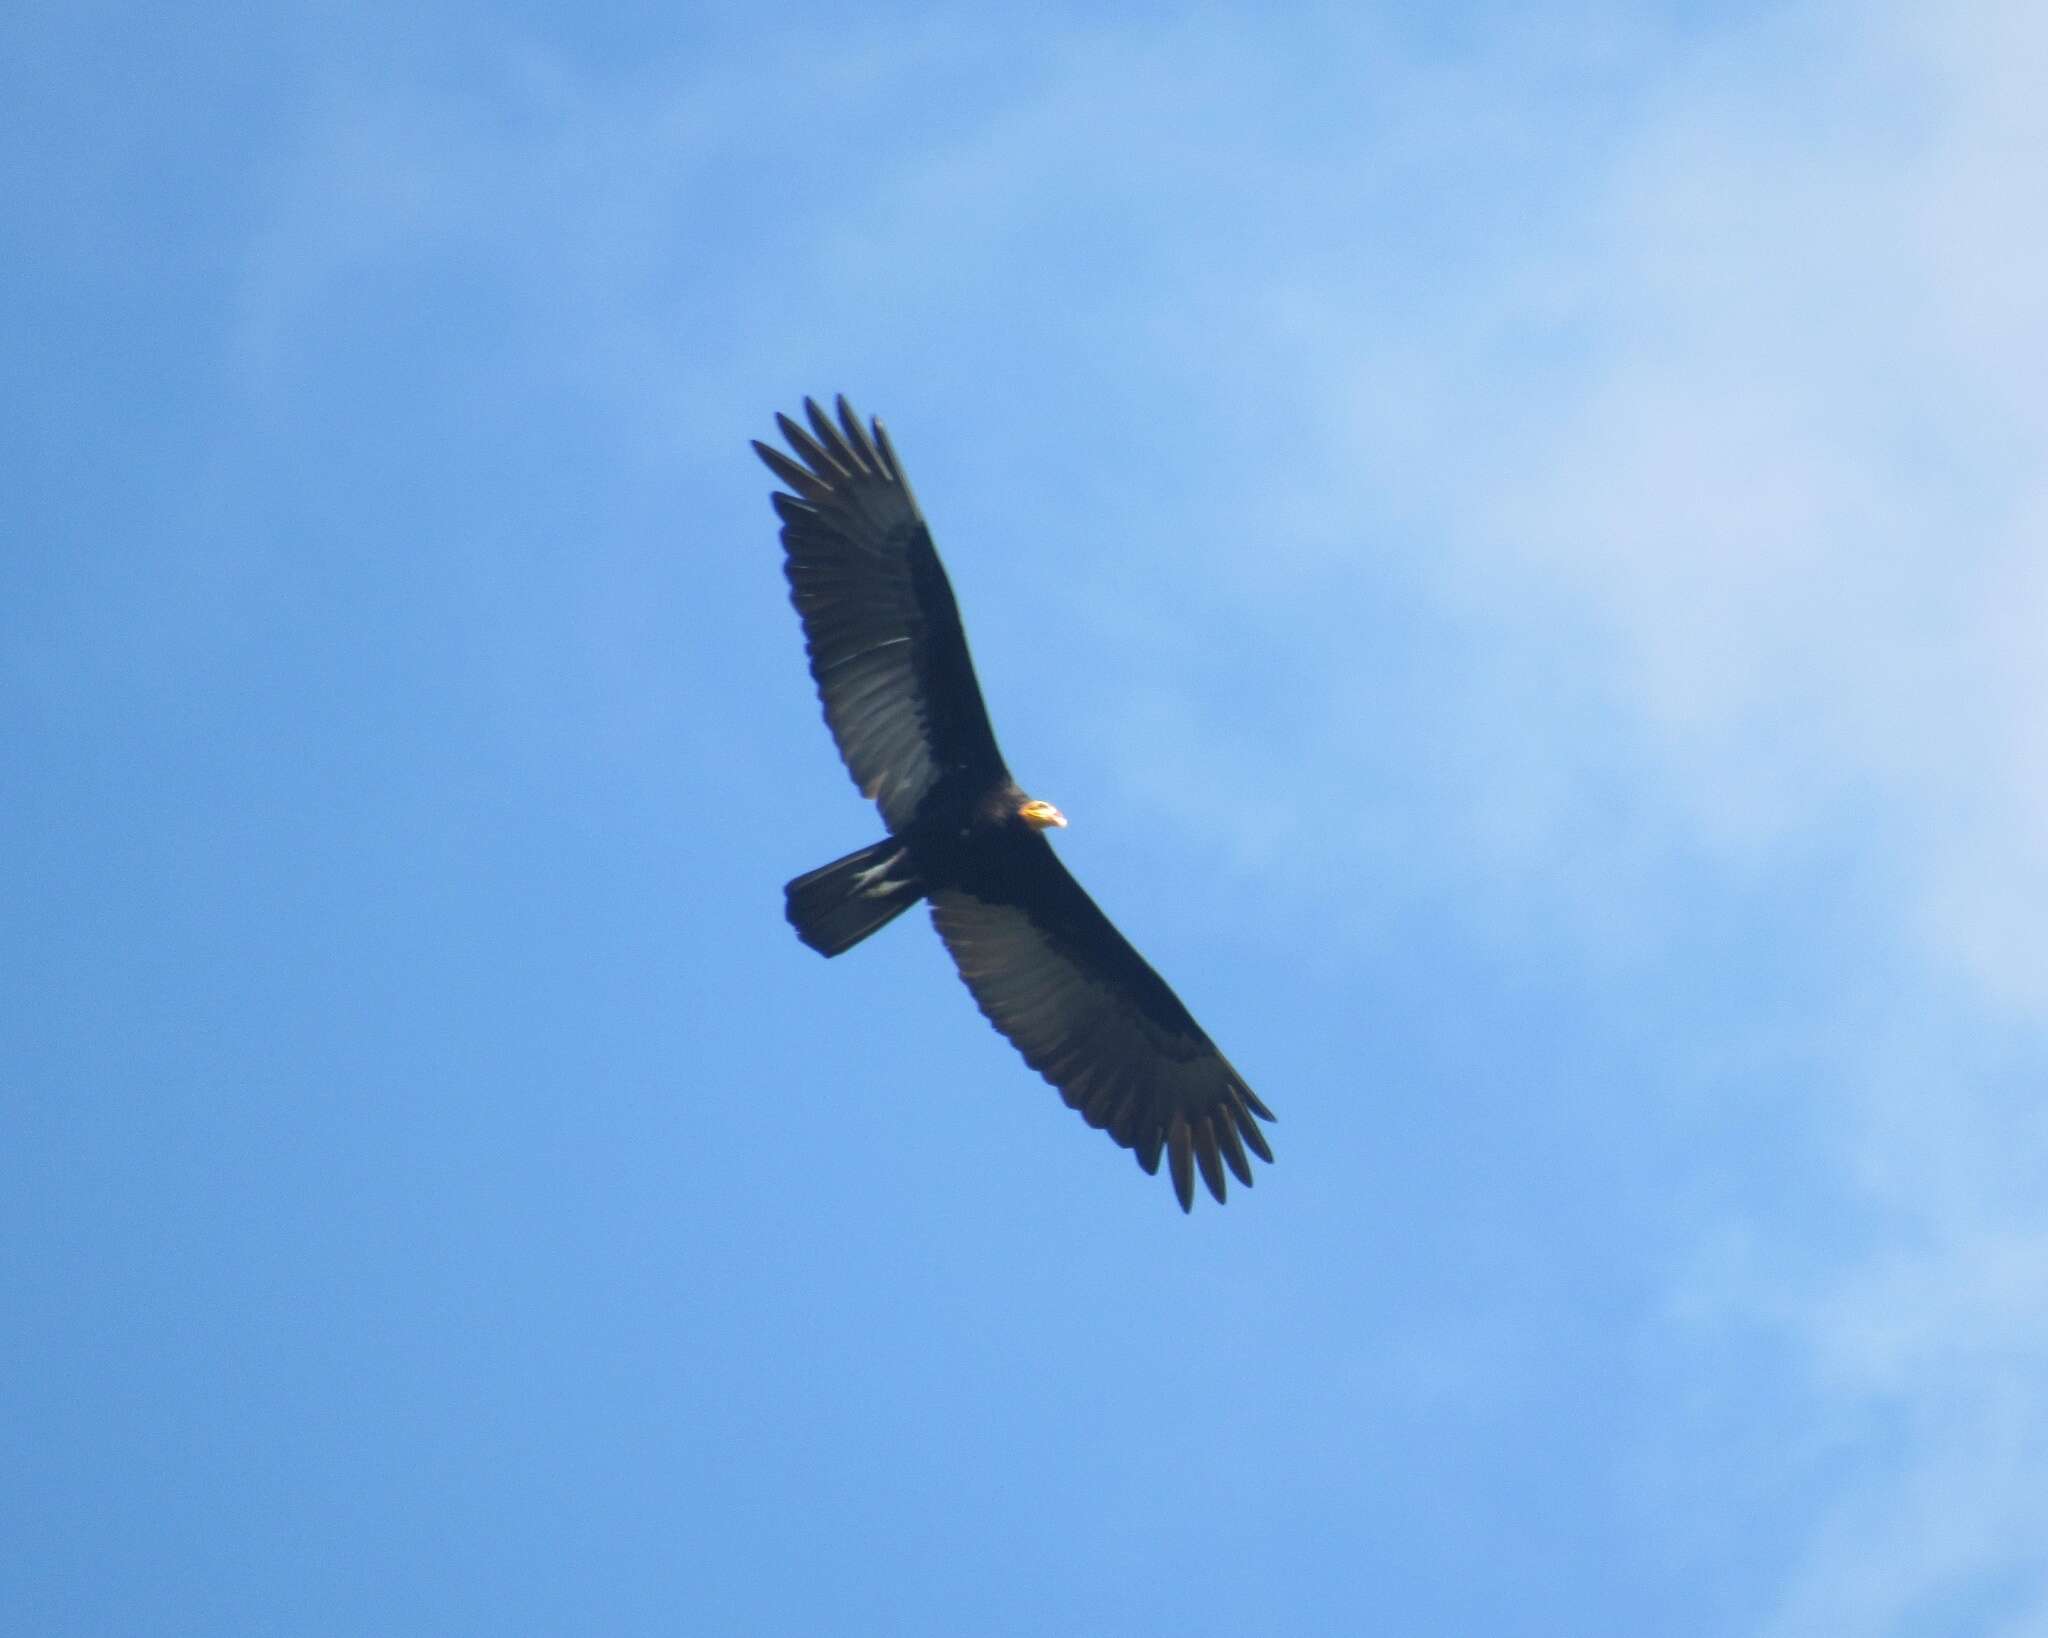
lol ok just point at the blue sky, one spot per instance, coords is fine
(1515, 538)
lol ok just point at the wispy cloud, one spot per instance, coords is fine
(1794, 484)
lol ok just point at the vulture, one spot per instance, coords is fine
(1044, 964)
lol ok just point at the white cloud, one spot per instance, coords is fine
(1800, 481)
(1798, 486)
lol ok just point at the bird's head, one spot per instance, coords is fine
(1041, 815)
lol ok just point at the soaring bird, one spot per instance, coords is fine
(900, 696)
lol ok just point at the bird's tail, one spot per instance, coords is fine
(837, 905)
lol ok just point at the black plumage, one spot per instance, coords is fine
(1043, 963)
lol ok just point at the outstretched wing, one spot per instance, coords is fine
(1089, 1014)
(880, 623)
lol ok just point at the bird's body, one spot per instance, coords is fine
(1042, 961)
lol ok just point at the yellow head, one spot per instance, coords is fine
(1041, 815)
